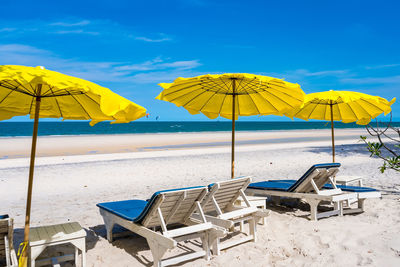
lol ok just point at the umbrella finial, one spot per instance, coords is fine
(40, 67)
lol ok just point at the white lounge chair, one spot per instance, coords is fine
(310, 187)
(7, 252)
(163, 209)
(220, 209)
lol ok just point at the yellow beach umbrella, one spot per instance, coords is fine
(232, 95)
(43, 93)
(345, 106)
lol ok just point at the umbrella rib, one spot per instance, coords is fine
(371, 104)
(355, 115)
(210, 86)
(316, 105)
(250, 96)
(251, 86)
(284, 92)
(209, 99)
(326, 107)
(191, 86)
(271, 89)
(171, 100)
(187, 82)
(81, 106)
(238, 106)
(239, 85)
(98, 105)
(363, 108)
(266, 99)
(30, 107)
(226, 85)
(6, 96)
(282, 99)
(16, 88)
(33, 89)
(340, 113)
(190, 100)
(55, 98)
(44, 94)
(222, 104)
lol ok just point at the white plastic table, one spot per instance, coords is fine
(52, 235)
(347, 180)
(255, 201)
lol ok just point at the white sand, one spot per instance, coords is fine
(67, 188)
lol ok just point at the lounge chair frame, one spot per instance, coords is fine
(310, 191)
(361, 197)
(163, 212)
(219, 206)
(6, 242)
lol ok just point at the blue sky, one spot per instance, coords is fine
(130, 46)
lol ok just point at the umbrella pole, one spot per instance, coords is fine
(233, 129)
(24, 256)
(333, 133)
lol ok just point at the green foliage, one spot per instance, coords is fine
(375, 148)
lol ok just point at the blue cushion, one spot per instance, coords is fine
(5, 216)
(349, 188)
(267, 185)
(135, 210)
(127, 209)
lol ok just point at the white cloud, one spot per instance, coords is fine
(107, 28)
(158, 64)
(7, 29)
(71, 24)
(149, 40)
(307, 73)
(77, 32)
(163, 76)
(382, 66)
(152, 71)
(373, 80)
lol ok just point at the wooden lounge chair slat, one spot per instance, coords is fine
(221, 199)
(167, 208)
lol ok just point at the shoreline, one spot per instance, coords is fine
(193, 132)
(49, 146)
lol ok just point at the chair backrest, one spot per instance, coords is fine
(171, 206)
(222, 195)
(6, 226)
(319, 174)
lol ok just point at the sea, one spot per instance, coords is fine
(20, 129)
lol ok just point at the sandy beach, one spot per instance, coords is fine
(74, 173)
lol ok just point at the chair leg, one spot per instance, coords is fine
(213, 242)
(206, 247)
(76, 256)
(361, 204)
(80, 244)
(157, 251)
(109, 224)
(253, 230)
(313, 208)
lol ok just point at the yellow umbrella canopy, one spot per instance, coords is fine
(43, 93)
(231, 95)
(61, 96)
(345, 106)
